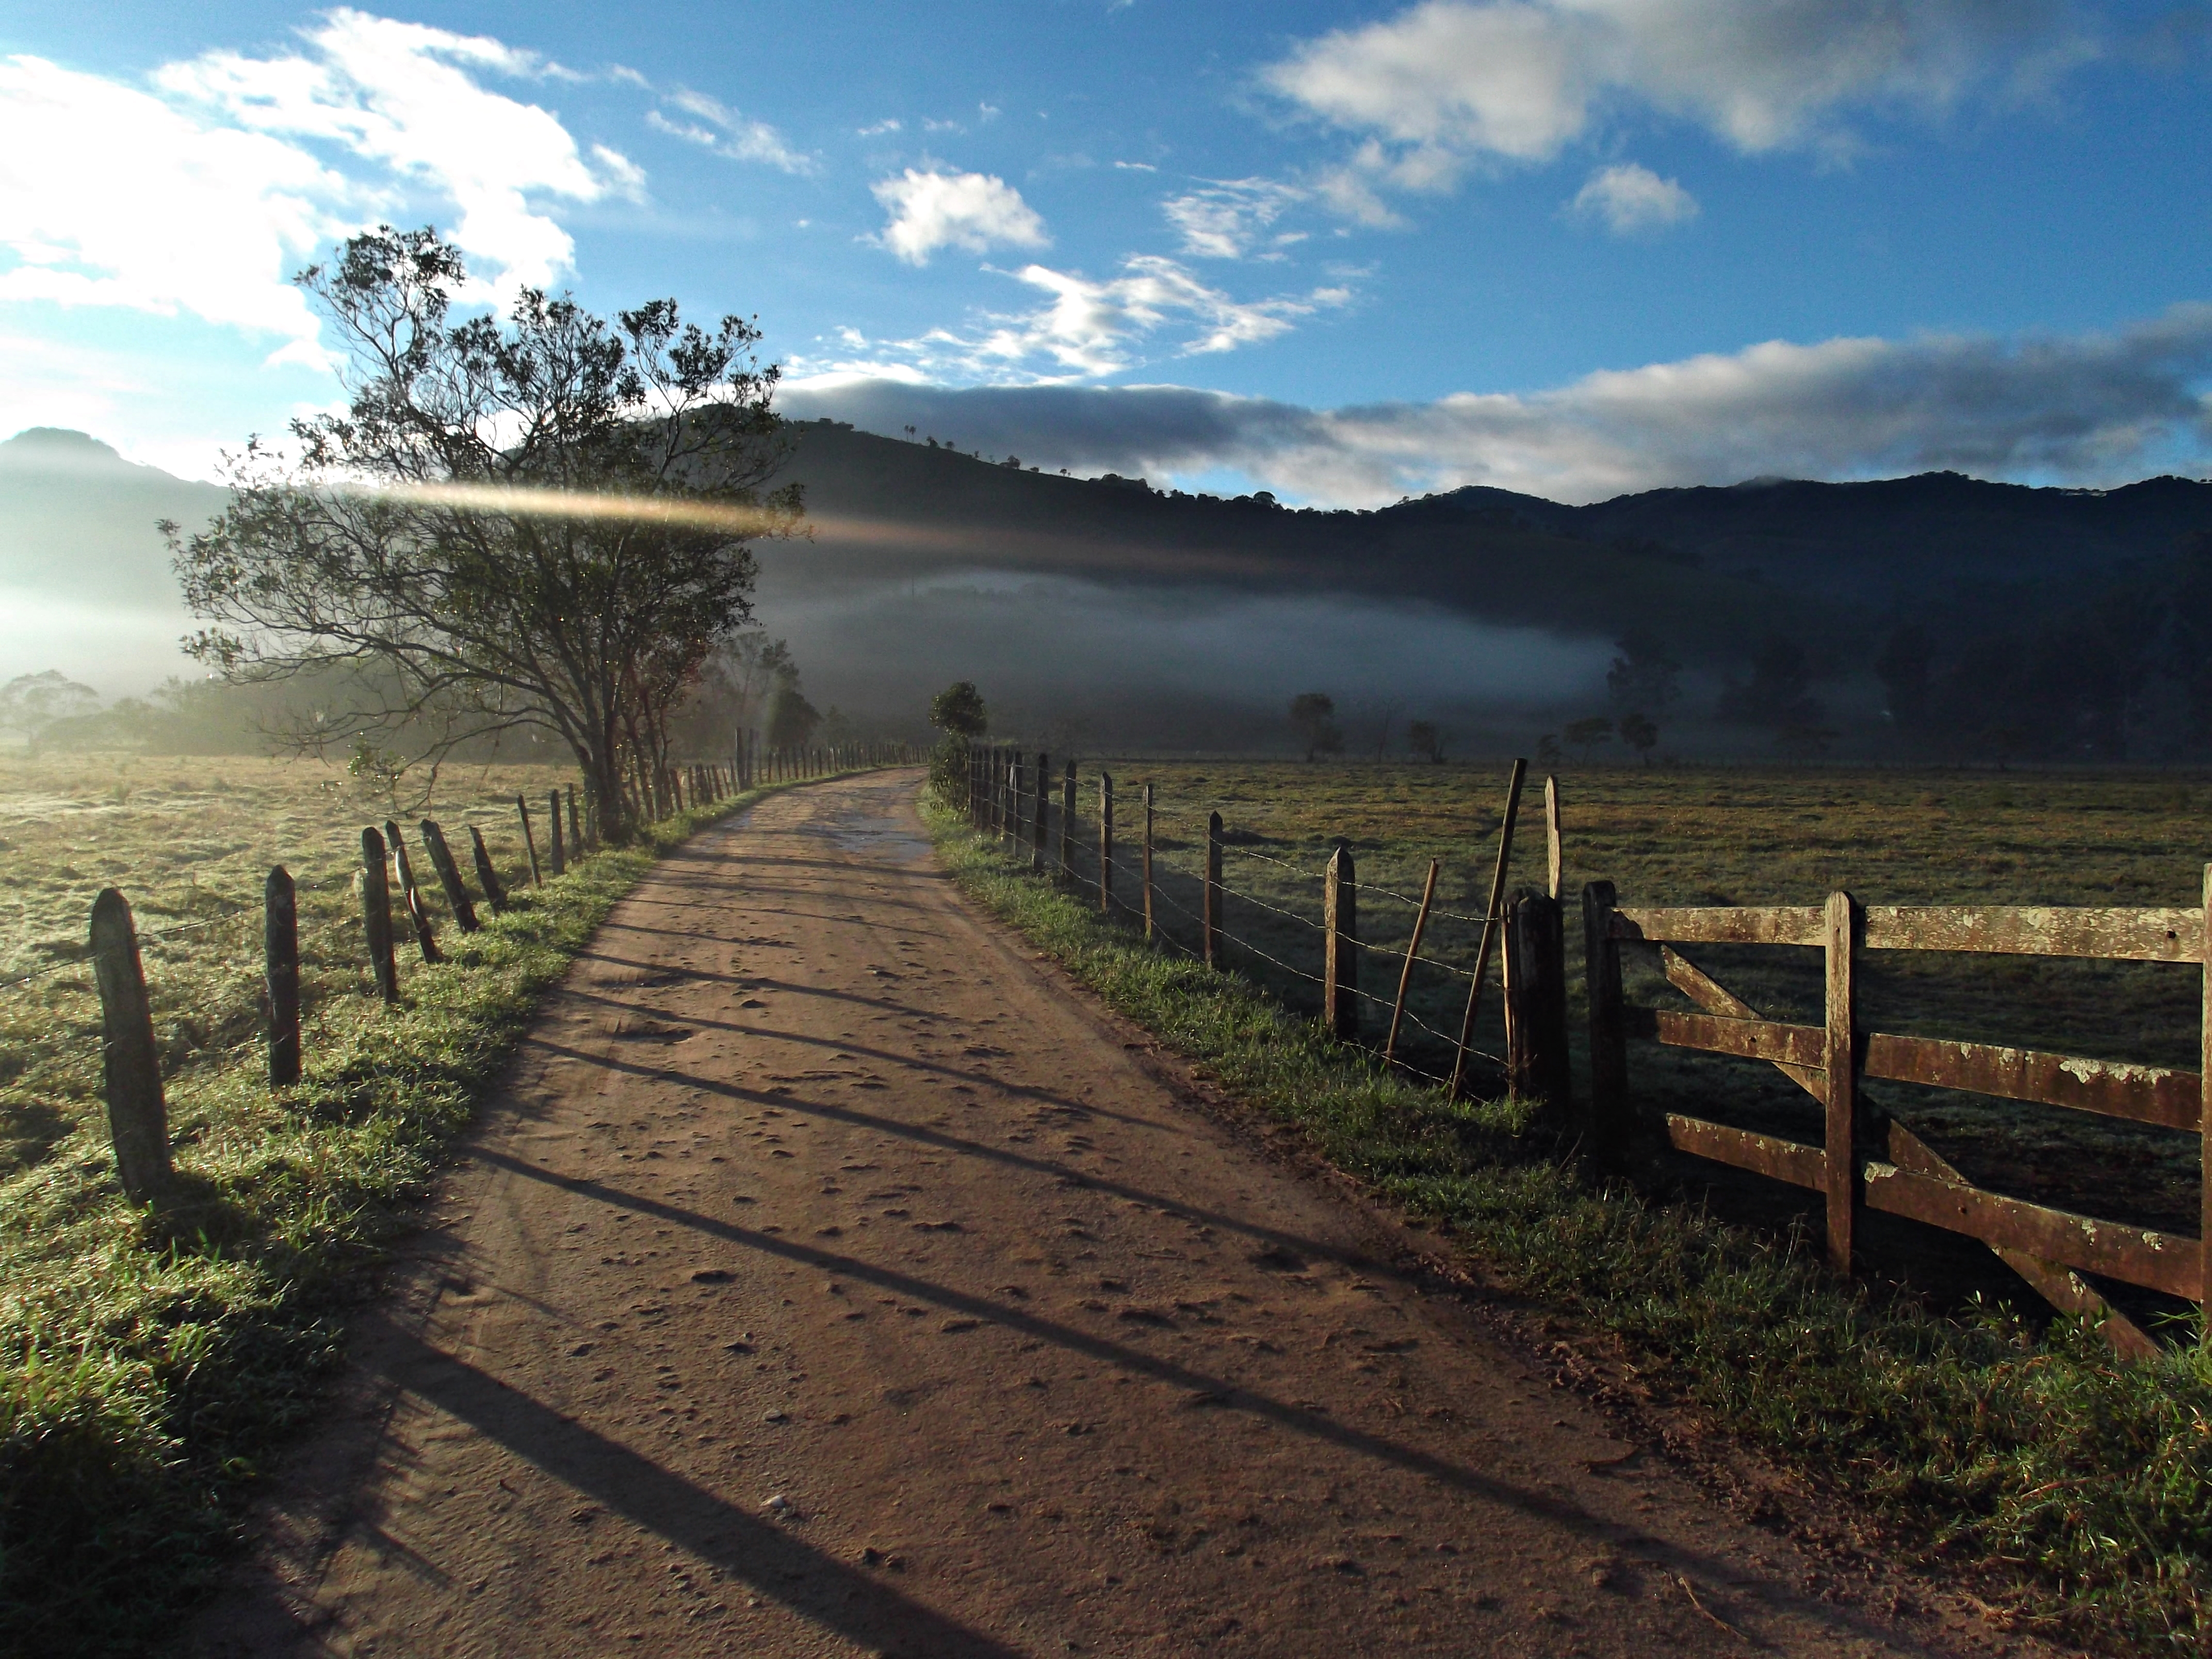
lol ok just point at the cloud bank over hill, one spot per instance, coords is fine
(2092, 408)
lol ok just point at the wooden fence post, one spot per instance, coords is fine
(130, 1070)
(560, 856)
(1016, 772)
(1840, 1089)
(1608, 1036)
(1067, 825)
(426, 934)
(1555, 861)
(1039, 824)
(1211, 905)
(449, 873)
(487, 878)
(1339, 922)
(1106, 843)
(280, 957)
(376, 909)
(1151, 932)
(1535, 1000)
(1491, 919)
(1413, 952)
(576, 823)
(530, 840)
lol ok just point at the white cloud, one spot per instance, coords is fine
(2089, 410)
(406, 97)
(977, 212)
(1085, 328)
(1450, 82)
(1227, 218)
(729, 134)
(1631, 198)
(879, 128)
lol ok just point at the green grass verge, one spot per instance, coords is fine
(2042, 1463)
(157, 1360)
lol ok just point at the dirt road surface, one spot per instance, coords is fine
(832, 1278)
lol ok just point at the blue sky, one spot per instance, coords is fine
(1573, 247)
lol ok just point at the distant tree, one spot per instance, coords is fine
(1313, 717)
(1012, 463)
(1640, 732)
(1644, 674)
(30, 703)
(839, 727)
(1587, 734)
(1426, 739)
(1778, 693)
(959, 710)
(791, 718)
(1548, 753)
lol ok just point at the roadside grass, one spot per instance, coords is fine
(2028, 1464)
(153, 1362)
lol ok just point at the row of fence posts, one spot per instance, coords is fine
(137, 1108)
(1010, 798)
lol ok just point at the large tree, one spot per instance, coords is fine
(534, 523)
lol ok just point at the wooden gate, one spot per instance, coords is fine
(2048, 1248)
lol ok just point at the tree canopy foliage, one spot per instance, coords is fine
(959, 710)
(533, 522)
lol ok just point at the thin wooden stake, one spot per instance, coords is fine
(130, 1068)
(280, 957)
(559, 850)
(1555, 861)
(1413, 950)
(1106, 843)
(1067, 825)
(529, 840)
(376, 911)
(575, 822)
(1151, 932)
(449, 874)
(1608, 1039)
(1490, 920)
(426, 934)
(487, 877)
(1840, 1087)
(1339, 922)
(1040, 825)
(1212, 907)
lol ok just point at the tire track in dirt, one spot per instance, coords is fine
(829, 1277)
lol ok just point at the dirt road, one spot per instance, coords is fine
(831, 1277)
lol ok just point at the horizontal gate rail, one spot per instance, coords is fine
(2028, 930)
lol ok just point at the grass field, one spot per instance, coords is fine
(1665, 835)
(2016, 1458)
(154, 1358)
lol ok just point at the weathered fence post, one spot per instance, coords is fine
(1016, 771)
(1340, 922)
(1067, 825)
(1151, 932)
(1555, 859)
(1608, 1035)
(1491, 919)
(1840, 1090)
(131, 1071)
(449, 873)
(376, 910)
(280, 974)
(426, 934)
(487, 878)
(1536, 1000)
(1106, 843)
(576, 823)
(1040, 825)
(1413, 952)
(559, 851)
(530, 840)
(1210, 909)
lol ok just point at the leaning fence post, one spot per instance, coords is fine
(376, 910)
(1608, 1035)
(1555, 861)
(487, 877)
(1339, 922)
(1212, 907)
(529, 840)
(1413, 952)
(449, 875)
(1491, 919)
(1151, 932)
(1067, 825)
(137, 1114)
(1535, 1000)
(426, 934)
(280, 957)
(1840, 1089)
(1106, 843)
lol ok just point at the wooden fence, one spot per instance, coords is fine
(130, 1066)
(1867, 1160)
